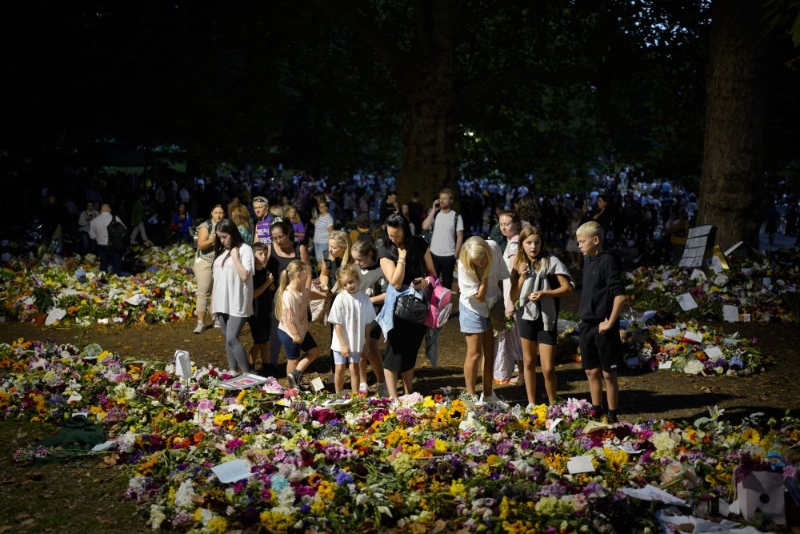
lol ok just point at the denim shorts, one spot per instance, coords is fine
(294, 351)
(472, 322)
(338, 359)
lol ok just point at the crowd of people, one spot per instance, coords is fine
(270, 248)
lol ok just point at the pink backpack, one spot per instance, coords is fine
(440, 304)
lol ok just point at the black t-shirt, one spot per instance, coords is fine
(263, 302)
(415, 260)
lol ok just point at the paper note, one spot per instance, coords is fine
(317, 384)
(686, 302)
(730, 313)
(665, 365)
(580, 464)
(232, 471)
(713, 353)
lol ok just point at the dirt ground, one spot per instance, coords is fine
(643, 394)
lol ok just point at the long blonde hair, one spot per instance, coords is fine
(542, 260)
(287, 275)
(474, 249)
(343, 242)
(240, 215)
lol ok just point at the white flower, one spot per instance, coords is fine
(184, 497)
(694, 367)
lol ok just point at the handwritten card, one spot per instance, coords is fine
(714, 353)
(665, 365)
(686, 302)
(671, 333)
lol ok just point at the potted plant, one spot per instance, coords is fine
(43, 300)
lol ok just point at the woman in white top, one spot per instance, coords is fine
(232, 298)
(480, 270)
(323, 226)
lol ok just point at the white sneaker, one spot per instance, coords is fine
(490, 399)
(199, 328)
(216, 323)
(363, 387)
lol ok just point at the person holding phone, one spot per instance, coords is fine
(404, 260)
(447, 236)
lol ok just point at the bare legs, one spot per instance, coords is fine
(479, 345)
(597, 378)
(547, 356)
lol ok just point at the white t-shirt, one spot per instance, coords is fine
(230, 295)
(443, 239)
(354, 313)
(321, 232)
(468, 285)
(510, 257)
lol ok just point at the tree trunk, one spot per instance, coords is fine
(731, 190)
(431, 129)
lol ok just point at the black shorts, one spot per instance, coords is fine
(375, 330)
(534, 331)
(600, 350)
(260, 328)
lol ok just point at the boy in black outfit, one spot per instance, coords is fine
(602, 299)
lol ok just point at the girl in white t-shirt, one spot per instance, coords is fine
(351, 315)
(481, 269)
(373, 284)
(291, 307)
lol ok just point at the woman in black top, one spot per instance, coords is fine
(403, 258)
(282, 251)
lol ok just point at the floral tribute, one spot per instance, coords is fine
(424, 464)
(767, 290)
(164, 292)
(660, 344)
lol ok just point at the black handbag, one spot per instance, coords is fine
(410, 307)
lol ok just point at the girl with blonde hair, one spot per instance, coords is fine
(481, 270)
(241, 217)
(292, 300)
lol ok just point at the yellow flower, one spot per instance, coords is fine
(458, 489)
(326, 490)
(318, 507)
(751, 435)
(217, 525)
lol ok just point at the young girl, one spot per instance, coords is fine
(480, 270)
(373, 284)
(351, 316)
(538, 279)
(291, 306)
(261, 320)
